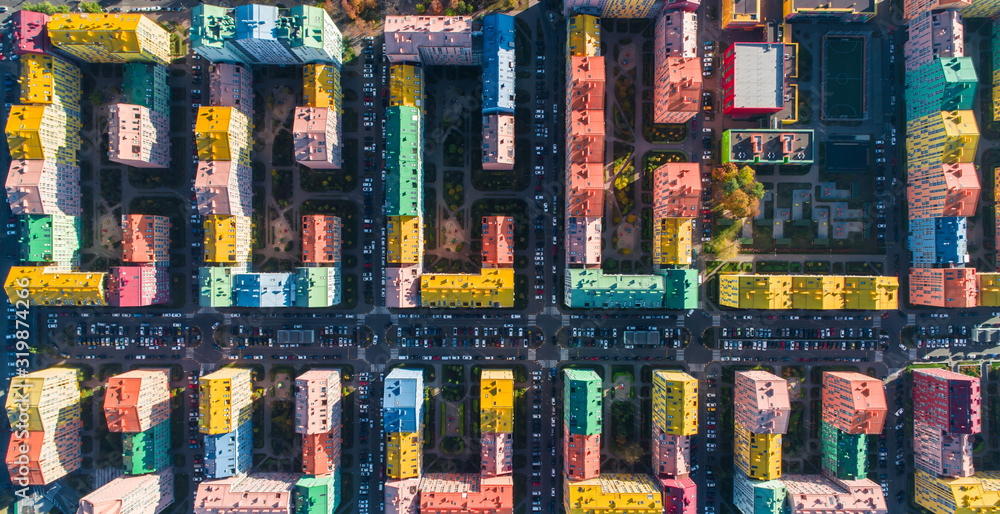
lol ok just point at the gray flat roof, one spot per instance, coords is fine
(758, 75)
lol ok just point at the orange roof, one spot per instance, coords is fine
(684, 91)
(145, 238)
(468, 493)
(676, 190)
(128, 400)
(498, 240)
(320, 453)
(587, 203)
(585, 175)
(60, 451)
(587, 82)
(320, 239)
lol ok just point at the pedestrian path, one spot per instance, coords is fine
(716, 321)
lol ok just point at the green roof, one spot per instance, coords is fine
(36, 238)
(215, 286)
(846, 455)
(146, 85)
(582, 401)
(317, 495)
(680, 288)
(211, 26)
(404, 162)
(591, 288)
(146, 452)
(304, 26)
(758, 497)
(317, 287)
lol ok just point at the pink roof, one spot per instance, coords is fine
(315, 134)
(30, 34)
(402, 286)
(317, 395)
(940, 453)
(762, 405)
(585, 175)
(680, 495)
(405, 35)
(224, 188)
(43, 187)
(587, 82)
(467, 493)
(138, 286)
(671, 454)
(231, 85)
(583, 240)
(137, 400)
(260, 493)
(138, 136)
(496, 453)
(962, 183)
(853, 402)
(146, 238)
(321, 239)
(401, 496)
(581, 455)
(132, 494)
(677, 190)
(586, 203)
(498, 141)
(817, 494)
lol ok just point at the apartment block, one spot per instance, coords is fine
(138, 136)
(676, 190)
(498, 142)
(430, 40)
(321, 239)
(948, 400)
(808, 292)
(256, 37)
(142, 494)
(496, 401)
(311, 35)
(607, 494)
(934, 34)
(43, 132)
(446, 493)
(946, 190)
(741, 14)
(591, 288)
(581, 455)
(680, 495)
(496, 454)
(110, 38)
(229, 453)
(989, 289)
(756, 497)
(50, 80)
(147, 85)
(401, 496)
(146, 239)
(671, 454)
(262, 34)
(583, 241)
(842, 11)
(672, 241)
(406, 86)
(53, 287)
(491, 288)
(222, 134)
(945, 84)
(317, 138)
(224, 188)
(43, 408)
(137, 400)
(582, 400)
(944, 287)
(938, 241)
(231, 85)
(403, 400)
(981, 9)
(211, 28)
(498, 64)
(146, 452)
(227, 238)
(678, 78)
(675, 402)
(405, 243)
(914, 9)
(321, 454)
(758, 456)
(755, 291)
(629, 8)
(321, 86)
(767, 146)
(43, 187)
(498, 241)
(753, 78)
(941, 138)
(845, 456)
(404, 162)
(939, 452)
(403, 286)
(50, 240)
(225, 400)
(853, 403)
(317, 495)
(977, 493)
(404, 454)
(261, 290)
(811, 494)
(215, 285)
(47, 456)
(583, 36)
(266, 493)
(317, 401)
(29, 33)
(761, 402)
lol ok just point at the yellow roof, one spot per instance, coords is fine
(404, 244)
(24, 136)
(212, 133)
(989, 289)
(45, 286)
(817, 292)
(321, 85)
(492, 286)
(405, 86)
(403, 455)
(584, 39)
(39, 84)
(227, 238)
(672, 241)
(110, 37)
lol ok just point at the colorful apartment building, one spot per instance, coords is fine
(491, 288)
(447, 493)
(261, 34)
(50, 80)
(934, 34)
(138, 136)
(741, 14)
(110, 38)
(311, 35)
(143, 494)
(29, 33)
(680, 495)
(317, 137)
(137, 400)
(401, 496)
(405, 240)
(614, 8)
(755, 497)
(231, 85)
(430, 40)
(321, 454)
(914, 9)
(256, 36)
(845, 456)
(675, 402)
(672, 241)
(611, 493)
(404, 455)
(43, 408)
(940, 453)
(977, 493)
(843, 11)
(402, 286)
(227, 238)
(678, 79)
(947, 137)
(147, 452)
(321, 239)
(671, 454)
(211, 28)
(498, 65)
(944, 287)
(948, 400)
(944, 84)
(761, 402)
(222, 134)
(226, 400)
(265, 493)
(753, 77)
(755, 291)
(583, 422)
(989, 289)
(50, 240)
(404, 162)
(758, 456)
(43, 187)
(52, 287)
(402, 419)
(406, 86)
(317, 495)
(591, 288)
(853, 403)
(146, 239)
(583, 36)
(808, 292)
(224, 188)
(229, 453)
(321, 86)
(946, 190)
(583, 241)
(767, 146)
(581, 455)
(318, 418)
(215, 285)
(676, 190)
(262, 290)
(147, 85)
(498, 241)
(496, 454)
(496, 401)
(813, 494)
(43, 132)
(937, 242)
(498, 142)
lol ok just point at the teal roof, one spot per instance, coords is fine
(146, 452)
(317, 495)
(591, 288)
(303, 26)
(680, 288)
(317, 287)
(211, 26)
(582, 401)
(36, 237)
(146, 85)
(404, 162)
(845, 455)
(215, 286)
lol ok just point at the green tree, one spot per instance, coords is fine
(421, 8)
(746, 177)
(91, 7)
(730, 186)
(757, 191)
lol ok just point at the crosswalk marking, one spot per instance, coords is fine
(716, 321)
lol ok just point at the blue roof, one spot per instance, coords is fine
(498, 64)
(230, 453)
(403, 398)
(256, 21)
(264, 289)
(938, 240)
